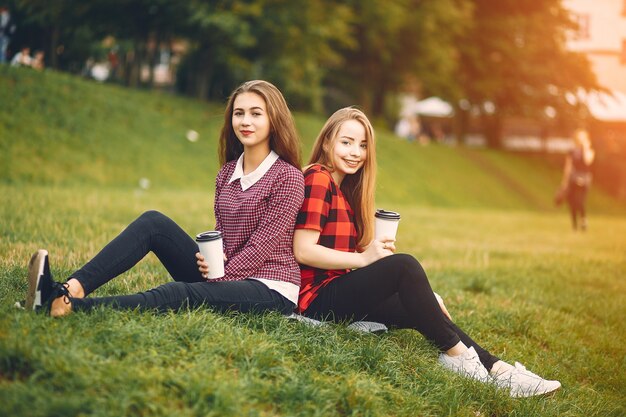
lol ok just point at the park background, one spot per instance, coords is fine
(80, 159)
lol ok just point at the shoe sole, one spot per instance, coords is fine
(536, 393)
(35, 272)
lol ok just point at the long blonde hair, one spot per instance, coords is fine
(284, 138)
(583, 142)
(358, 188)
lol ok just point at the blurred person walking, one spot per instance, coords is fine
(6, 29)
(577, 178)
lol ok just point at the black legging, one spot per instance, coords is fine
(157, 233)
(394, 291)
(576, 195)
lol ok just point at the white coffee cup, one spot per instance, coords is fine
(386, 224)
(210, 245)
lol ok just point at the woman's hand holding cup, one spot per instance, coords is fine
(388, 243)
(378, 249)
(211, 263)
(203, 266)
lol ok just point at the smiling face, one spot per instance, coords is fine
(250, 121)
(349, 150)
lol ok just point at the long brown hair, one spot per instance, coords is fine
(358, 188)
(284, 138)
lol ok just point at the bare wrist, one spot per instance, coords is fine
(362, 260)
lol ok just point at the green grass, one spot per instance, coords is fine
(512, 273)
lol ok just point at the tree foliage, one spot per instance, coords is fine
(405, 39)
(513, 61)
(502, 57)
(290, 43)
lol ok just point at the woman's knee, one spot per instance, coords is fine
(151, 216)
(405, 261)
(155, 220)
(407, 266)
(150, 224)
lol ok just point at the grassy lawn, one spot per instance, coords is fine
(513, 274)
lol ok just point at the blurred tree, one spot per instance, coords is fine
(52, 25)
(402, 39)
(74, 30)
(504, 57)
(218, 31)
(298, 45)
(140, 26)
(513, 62)
(301, 46)
(292, 44)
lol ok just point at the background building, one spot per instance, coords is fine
(602, 37)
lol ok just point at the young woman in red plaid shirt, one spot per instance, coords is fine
(259, 190)
(349, 275)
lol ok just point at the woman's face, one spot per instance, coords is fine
(349, 149)
(250, 120)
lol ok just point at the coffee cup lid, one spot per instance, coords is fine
(208, 236)
(387, 215)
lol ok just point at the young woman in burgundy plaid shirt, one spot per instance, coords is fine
(348, 275)
(259, 190)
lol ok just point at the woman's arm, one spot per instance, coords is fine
(219, 183)
(444, 310)
(567, 170)
(309, 252)
(588, 156)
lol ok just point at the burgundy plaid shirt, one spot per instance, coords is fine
(257, 224)
(326, 210)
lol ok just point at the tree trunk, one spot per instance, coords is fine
(378, 100)
(365, 99)
(461, 125)
(492, 129)
(143, 53)
(55, 34)
(154, 55)
(202, 73)
(151, 65)
(129, 58)
(135, 69)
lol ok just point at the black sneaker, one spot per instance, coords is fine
(42, 289)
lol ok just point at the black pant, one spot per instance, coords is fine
(576, 196)
(154, 232)
(394, 291)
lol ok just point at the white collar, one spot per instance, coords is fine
(250, 179)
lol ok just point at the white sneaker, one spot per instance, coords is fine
(367, 327)
(306, 320)
(466, 364)
(522, 383)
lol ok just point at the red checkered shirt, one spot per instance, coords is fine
(257, 224)
(326, 210)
